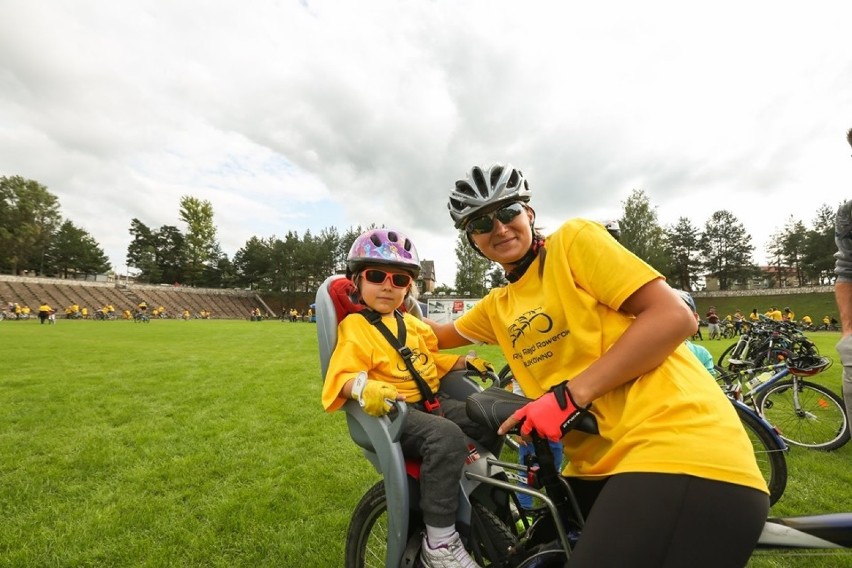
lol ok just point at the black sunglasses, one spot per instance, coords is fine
(485, 223)
(379, 276)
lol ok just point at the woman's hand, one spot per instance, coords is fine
(551, 415)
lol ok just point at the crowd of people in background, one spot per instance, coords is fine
(292, 314)
(47, 314)
(734, 324)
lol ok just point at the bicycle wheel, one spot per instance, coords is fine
(367, 535)
(806, 414)
(722, 361)
(770, 456)
(491, 541)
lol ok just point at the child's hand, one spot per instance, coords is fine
(478, 365)
(377, 397)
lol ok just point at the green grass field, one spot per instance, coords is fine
(203, 443)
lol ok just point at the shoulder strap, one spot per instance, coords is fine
(429, 401)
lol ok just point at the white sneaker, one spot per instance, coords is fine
(448, 555)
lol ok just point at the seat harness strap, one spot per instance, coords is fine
(430, 402)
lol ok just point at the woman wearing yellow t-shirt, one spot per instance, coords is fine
(583, 317)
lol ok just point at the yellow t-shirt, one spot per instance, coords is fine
(674, 419)
(362, 347)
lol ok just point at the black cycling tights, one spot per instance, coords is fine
(658, 520)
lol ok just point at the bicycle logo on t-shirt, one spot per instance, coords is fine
(533, 320)
(418, 359)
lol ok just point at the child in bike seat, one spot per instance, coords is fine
(366, 366)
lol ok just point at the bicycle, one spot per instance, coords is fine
(805, 413)
(494, 533)
(728, 330)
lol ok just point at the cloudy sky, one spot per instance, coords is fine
(305, 115)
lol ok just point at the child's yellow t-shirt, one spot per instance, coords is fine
(362, 347)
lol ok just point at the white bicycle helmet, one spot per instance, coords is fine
(382, 246)
(687, 297)
(613, 228)
(483, 189)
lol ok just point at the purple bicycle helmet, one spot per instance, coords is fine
(383, 246)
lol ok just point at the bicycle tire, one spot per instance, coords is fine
(367, 535)
(726, 354)
(770, 456)
(820, 423)
(491, 541)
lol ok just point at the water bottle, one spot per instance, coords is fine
(758, 379)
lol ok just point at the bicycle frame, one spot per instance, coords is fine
(780, 371)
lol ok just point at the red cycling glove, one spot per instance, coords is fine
(551, 415)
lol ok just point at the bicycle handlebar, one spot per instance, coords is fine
(493, 406)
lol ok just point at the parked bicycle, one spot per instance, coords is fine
(497, 536)
(765, 342)
(804, 413)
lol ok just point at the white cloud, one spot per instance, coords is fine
(296, 116)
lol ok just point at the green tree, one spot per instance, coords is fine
(819, 249)
(218, 271)
(142, 252)
(227, 272)
(727, 249)
(29, 215)
(471, 269)
(169, 243)
(324, 256)
(286, 255)
(641, 232)
(253, 263)
(684, 251)
(787, 248)
(73, 250)
(497, 277)
(200, 239)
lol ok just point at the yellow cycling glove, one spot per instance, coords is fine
(375, 397)
(478, 365)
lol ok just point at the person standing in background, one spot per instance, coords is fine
(843, 290)
(44, 312)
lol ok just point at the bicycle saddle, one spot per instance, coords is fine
(494, 405)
